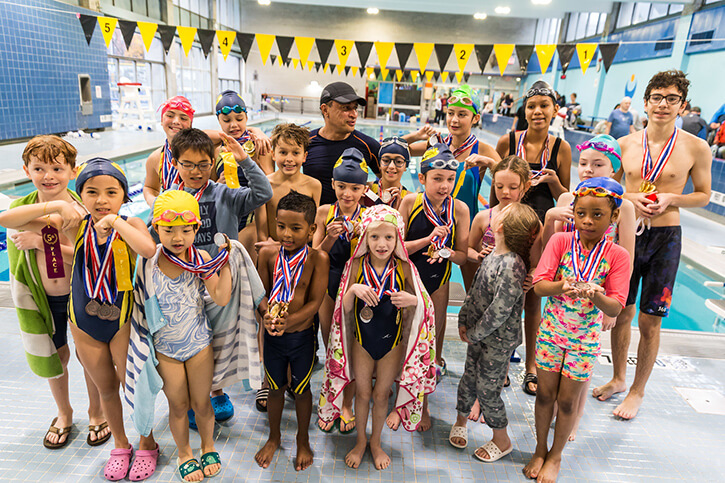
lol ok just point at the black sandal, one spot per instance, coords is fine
(530, 378)
(262, 395)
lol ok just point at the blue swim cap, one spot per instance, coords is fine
(606, 144)
(100, 167)
(608, 186)
(351, 167)
(395, 145)
(438, 157)
(231, 101)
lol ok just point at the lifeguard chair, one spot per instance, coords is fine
(134, 106)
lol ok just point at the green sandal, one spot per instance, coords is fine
(334, 426)
(208, 459)
(187, 468)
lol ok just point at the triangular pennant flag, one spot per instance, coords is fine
(324, 46)
(523, 52)
(167, 36)
(384, 73)
(436, 76)
(375, 71)
(284, 44)
(403, 51)
(226, 40)
(273, 58)
(443, 52)
(148, 30)
(585, 51)
(318, 65)
(245, 44)
(423, 51)
(466, 76)
(463, 53)
(444, 76)
(304, 47)
(186, 35)
(347, 70)
(332, 68)
(206, 39)
(384, 49)
(608, 51)
(311, 65)
(459, 77)
(343, 48)
(414, 75)
(363, 71)
(354, 70)
(128, 28)
(545, 52)
(399, 74)
(108, 26)
(503, 54)
(88, 24)
(566, 52)
(286, 62)
(295, 62)
(363, 52)
(483, 52)
(429, 75)
(324, 69)
(264, 42)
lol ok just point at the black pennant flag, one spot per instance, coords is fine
(206, 39)
(88, 22)
(436, 76)
(608, 51)
(127, 30)
(443, 52)
(363, 52)
(566, 52)
(363, 71)
(317, 66)
(403, 51)
(523, 52)
(376, 70)
(466, 75)
(167, 33)
(324, 46)
(285, 45)
(332, 68)
(483, 52)
(273, 58)
(245, 44)
(347, 69)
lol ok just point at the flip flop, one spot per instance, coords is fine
(210, 458)
(335, 424)
(507, 382)
(346, 422)
(117, 465)
(223, 408)
(145, 464)
(186, 468)
(60, 432)
(493, 451)
(458, 432)
(262, 395)
(530, 378)
(97, 428)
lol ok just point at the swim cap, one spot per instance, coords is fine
(351, 167)
(464, 97)
(395, 145)
(540, 88)
(174, 208)
(178, 103)
(604, 143)
(607, 187)
(100, 167)
(232, 101)
(438, 157)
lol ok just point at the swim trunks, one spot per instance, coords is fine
(291, 349)
(59, 310)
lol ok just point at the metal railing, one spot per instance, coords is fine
(291, 104)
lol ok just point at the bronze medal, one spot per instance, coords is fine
(104, 312)
(582, 285)
(92, 308)
(366, 314)
(115, 313)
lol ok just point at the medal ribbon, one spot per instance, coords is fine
(169, 174)
(521, 151)
(445, 220)
(591, 262)
(244, 138)
(97, 272)
(652, 171)
(470, 141)
(196, 263)
(287, 274)
(383, 284)
(336, 213)
(198, 194)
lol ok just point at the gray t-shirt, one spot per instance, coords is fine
(620, 123)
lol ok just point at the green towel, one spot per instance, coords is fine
(31, 304)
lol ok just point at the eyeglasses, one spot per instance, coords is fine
(226, 109)
(444, 164)
(398, 161)
(599, 146)
(190, 166)
(597, 191)
(170, 216)
(672, 99)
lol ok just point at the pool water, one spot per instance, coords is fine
(688, 302)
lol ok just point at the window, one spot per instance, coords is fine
(625, 15)
(571, 29)
(592, 24)
(641, 12)
(193, 77)
(581, 27)
(676, 8)
(230, 73)
(602, 22)
(547, 30)
(658, 10)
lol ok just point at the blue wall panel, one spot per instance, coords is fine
(42, 51)
(646, 50)
(705, 21)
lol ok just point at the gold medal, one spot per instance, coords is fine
(647, 187)
(366, 314)
(92, 308)
(432, 253)
(249, 147)
(277, 309)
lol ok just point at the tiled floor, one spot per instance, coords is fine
(669, 440)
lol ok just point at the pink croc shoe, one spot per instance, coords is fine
(117, 465)
(145, 464)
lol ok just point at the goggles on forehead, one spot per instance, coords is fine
(599, 192)
(169, 216)
(394, 140)
(540, 91)
(599, 146)
(227, 109)
(443, 164)
(467, 101)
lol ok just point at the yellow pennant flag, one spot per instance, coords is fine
(310, 64)
(226, 40)
(462, 53)
(339, 70)
(444, 76)
(343, 48)
(383, 74)
(586, 54)
(264, 42)
(414, 75)
(545, 53)
(354, 70)
(422, 53)
(304, 47)
(148, 30)
(369, 71)
(429, 75)
(384, 49)
(398, 74)
(186, 35)
(294, 63)
(459, 77)
(503, 54)
(108, 25)
(324, 69)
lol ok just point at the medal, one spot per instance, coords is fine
(651, 170)
(249, 147)
(347, 223)
(99, 281)
(115, 313)
(582, 285)
(277, 309)
(435, 139)
(366, 314)
(386, 196)
(51, 247)
(444, 253)
(104, 311)
(92, 308)
(384, 284)
(445, 219)
(196, 263)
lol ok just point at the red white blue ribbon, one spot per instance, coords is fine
(246, 136)
(467, 144)
(521, 150)
(97, 272)
(445, 219)
(348, 220)
(591, 262)
(384, 284)
(198, 194)
(169, 174)
(196, 263)
(287, 273)
(652, 171)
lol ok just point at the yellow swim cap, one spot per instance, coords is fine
(176, 207)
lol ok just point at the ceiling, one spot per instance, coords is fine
(519, 8)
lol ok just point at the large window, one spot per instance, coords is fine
(639, 12)
(192, 13)
(230, 73)
(547, 31)
(585, 24)
(193, 77)
(147, 8)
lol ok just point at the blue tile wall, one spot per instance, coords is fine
(718, 184)
(42, 51)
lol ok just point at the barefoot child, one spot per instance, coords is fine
(295, 278)
(386, 308)
(394, 160)
(490, 322)
(584, 275)
(437, 236)
(40, 274)
(337, 234)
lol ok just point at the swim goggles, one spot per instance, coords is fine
(443, 164)
(169, 216)
(599, 146)
(394, 140)
(599, 192)
(540, 91)
(226, 109)
(467, 101)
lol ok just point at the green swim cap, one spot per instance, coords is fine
(464, 97)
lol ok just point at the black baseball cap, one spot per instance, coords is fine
(341, 92)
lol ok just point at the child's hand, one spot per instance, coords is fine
(642, 202)
(561, 213)
(546, 176)
(567, 287)
(27, 240)
(591, 290)
(104, 226)
(479, 161)
(462, 333)
(608, 323)
(528, 282)
(485, 251)
(275, 326)
(232, 145)
(403, 299)
(335, 229)
(262, 144)
(365, 293)
(424, 133)
(71, 214)
(269, 242)
(440, 231)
